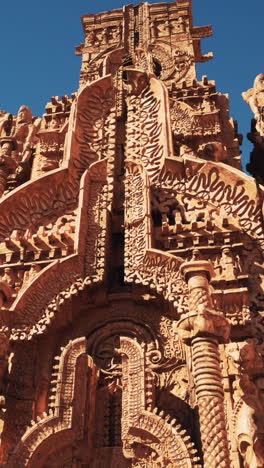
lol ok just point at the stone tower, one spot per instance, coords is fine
(131, 266)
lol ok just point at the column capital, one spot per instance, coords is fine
(202, 320)
(196, 268)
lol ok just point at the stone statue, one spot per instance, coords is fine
(25, 133)
(228, 265)
(7, 162)
(5, 123)
(254, 97)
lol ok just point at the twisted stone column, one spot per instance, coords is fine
(203, 328)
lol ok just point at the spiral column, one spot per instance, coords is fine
(203, 330)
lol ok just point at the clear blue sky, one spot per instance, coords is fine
(38, 60)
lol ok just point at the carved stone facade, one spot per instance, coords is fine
(131, 262)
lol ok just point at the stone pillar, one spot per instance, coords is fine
(202, 328)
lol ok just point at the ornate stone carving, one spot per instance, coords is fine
(254, 97)
(104, 202)
(65, 420)
(135, 418)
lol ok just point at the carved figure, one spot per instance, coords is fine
(229, 266)
(254, 97)
(5, 124)
(25, 134)
(91, 37)
(31, 274)
(7, 162)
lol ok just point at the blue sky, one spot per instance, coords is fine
(38, 59)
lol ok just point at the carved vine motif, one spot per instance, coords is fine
(136, 233)
(76, 284)
(49, 282)
(182, 119)
(173, 347)
(233, 199)
(61, 197)
(62, 233)
(61, 280)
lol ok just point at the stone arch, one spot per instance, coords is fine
(223, 186)
(53, 444)
(65, 423)
(137, 418)
(124, 327)
(113, 60)
(62, 279)
(236, 198)
(174, 444)
(27, 206)
(32, 204)
(93, 112)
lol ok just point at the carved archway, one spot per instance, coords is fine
(141, 425)
(65, 423)
(74, 406)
